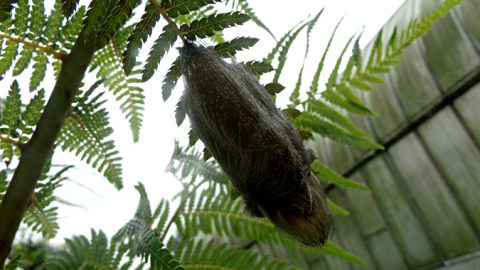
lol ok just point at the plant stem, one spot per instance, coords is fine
(40, 146)
(169, 20)
(47, 50)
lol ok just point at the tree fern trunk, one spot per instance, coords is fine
(38, 149)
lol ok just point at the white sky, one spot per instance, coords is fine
(103, 207)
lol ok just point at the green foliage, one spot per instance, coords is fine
(86, 133)
(125, 88)
(159, 48)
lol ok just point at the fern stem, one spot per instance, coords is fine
(169, 20)
(11, 141)
(39, 148)
(45, 49)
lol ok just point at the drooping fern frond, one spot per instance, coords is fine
(86, 133)
(214, 212)
(125, 88)
(161, 46)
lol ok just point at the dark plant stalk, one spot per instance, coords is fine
(38, 149)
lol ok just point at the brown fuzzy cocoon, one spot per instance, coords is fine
(255, 144)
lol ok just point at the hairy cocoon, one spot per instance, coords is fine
(255, 144)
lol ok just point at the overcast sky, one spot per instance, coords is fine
(105, 208)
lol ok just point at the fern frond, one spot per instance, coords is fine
(39, 69)
(230, 48)
(337, 209)
(72, 29)
(323, 173)
(143, 29)
(41, 216)
(117, 17)
(160, 256)
(318, 72)
(81, 253)
(54, 24)
(126, 89)
(244, 6)
(182, 7)
(282, 57)
(200, 255)
(324, 110)
(318, 125)
(31, 115)
(9, 122)
(171, 78)
(38, 20)
(23, 61)
(190, 163)
(215, 212)
(162, 213)
(161, 46)
(5, 9)
(95, 17)
(85, 132)
(206, 27)
(259, 68)
(8, 55)
(20, 22)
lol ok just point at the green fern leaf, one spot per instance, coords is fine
(361, 84)
(335, 117)
(197, 254)
(332, 80)
(334, 250)
(143, 29)
(280, 43)
(12, 264)
(323, 173)
(118, 16)
(68, 7)
(162, 211)
(20, 21)
(23, 61)
(161, 46)
(282, 57)
(258, 68)
(95, 17)
(350, 103)
(249, 11)
(143, 210)
(85, 132)
(274, 88)
(231, 47)
(125, 88)
(39, 69)
(180, 112)
(183, 7)
(11, 112)
(38, 20)
(81, 253)
(324, 128)
(72, 29)
(9, 54)
(54, 23)
(31, 115)
(160, 257)
(171, 79)
(207, 26)
(318, 72)
(43, 221)
(337, 209)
